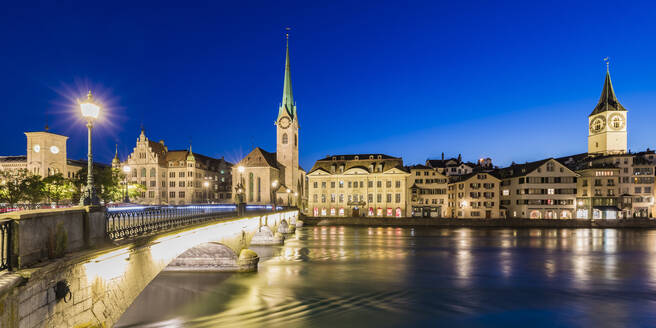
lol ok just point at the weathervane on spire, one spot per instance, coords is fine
(607, 61)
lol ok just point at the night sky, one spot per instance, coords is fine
(514, 81)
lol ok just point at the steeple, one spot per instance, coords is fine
(287, 94)
(190, 154)
(608, 101)
(116, 161)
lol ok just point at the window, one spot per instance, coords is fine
(370, 198)
(332, 184)
(171, 174)
(332, 198)
(323, 184)
(315, 198)
(181, 174)
(151, 194)
(389, 198)
(284, 138)
(341, 184)
(341, 198)
(295, 140)
(379, 198)
(181, 183)
(398, 183)
(315, 184)
(349, 184)
(398, 198)
(550, 191)
(250, 187)
(181, 194)
(153, 173)
(379, 184)
(171, 183)
(370, 184)
(323, 198)
(388, 184)
(153, 183)
(172, 194)
(638, 190)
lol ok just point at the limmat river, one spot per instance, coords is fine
(335, 276)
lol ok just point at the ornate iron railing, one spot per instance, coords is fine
(132, 222)
(5, 244)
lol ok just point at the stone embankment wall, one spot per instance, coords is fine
(103, 283)
(474, 223)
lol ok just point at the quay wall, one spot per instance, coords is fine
(481, 223)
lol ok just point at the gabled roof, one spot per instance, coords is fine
(363, 160)
(19, 158)
(259, 157)
(608, 101)
(518, 170)
(465, 177)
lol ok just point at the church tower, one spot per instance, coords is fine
(607, 123)
(287, 134)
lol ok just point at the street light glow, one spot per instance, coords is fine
(240, 169)
(206, 184)
(89, 109)
(126, 169)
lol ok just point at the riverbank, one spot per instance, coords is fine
(483, 223)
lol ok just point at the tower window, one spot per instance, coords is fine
(295, 140)
(284, 138)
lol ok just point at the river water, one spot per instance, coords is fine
(421, 277)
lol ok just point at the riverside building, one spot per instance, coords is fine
(474, 196)
(428, 192)
(543, 189)
(358, 185)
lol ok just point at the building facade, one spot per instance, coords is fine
(597, 192)
(543, 189)
(358, 185)
(428, 192)
(474, 196)
(176, 177)
(264, 177)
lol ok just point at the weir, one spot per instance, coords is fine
(93, 280)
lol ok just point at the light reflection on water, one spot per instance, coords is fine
(392, 277)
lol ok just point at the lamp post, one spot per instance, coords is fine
(126, 170)
(289, 197)
(90, 112)
(241, 207)
(274, 185)
(206, 185)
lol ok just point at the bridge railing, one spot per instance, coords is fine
(134, 221)
(5, 244)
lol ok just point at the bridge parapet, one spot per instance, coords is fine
(99, 285)
(38, 235)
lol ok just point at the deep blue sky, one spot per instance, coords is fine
(514, 81)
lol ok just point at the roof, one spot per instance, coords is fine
(608, 101)
(259, 157)
(19, 158)
(419, 167)
(350, 157)
(287, 94)
(84, 163)
(181, 155)
(517, 170)
(465, 177)
(363, 161)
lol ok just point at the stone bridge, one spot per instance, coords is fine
(66, 273)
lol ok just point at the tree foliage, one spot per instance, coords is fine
(57, 188)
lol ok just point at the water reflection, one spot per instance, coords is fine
(390, 277)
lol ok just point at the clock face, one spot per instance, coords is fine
(597, 124)
(36, 148)
(54, 149)
(284, 122)
(616, 122)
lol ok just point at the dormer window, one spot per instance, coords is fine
(356, 157)
(371, 156)
(380, 157)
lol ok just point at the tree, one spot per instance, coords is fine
(12, 185)
(33, 187)
(106, 180)
(56, 188)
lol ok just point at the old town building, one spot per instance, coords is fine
(264, 177)
(474, 196)
(46, 155)
(428, 192)
(597, 191)
(543, 189)
(358, 185)
(176, 177)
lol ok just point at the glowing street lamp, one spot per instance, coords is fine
(206, 185)
(240, 185)
(126, 170)
(90, 112)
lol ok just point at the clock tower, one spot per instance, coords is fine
(287, 135)
(607, 123)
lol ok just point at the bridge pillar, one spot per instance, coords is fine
(265, 237)
(285, 228)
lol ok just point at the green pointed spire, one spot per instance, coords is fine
(287, 94)
(607, 101)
